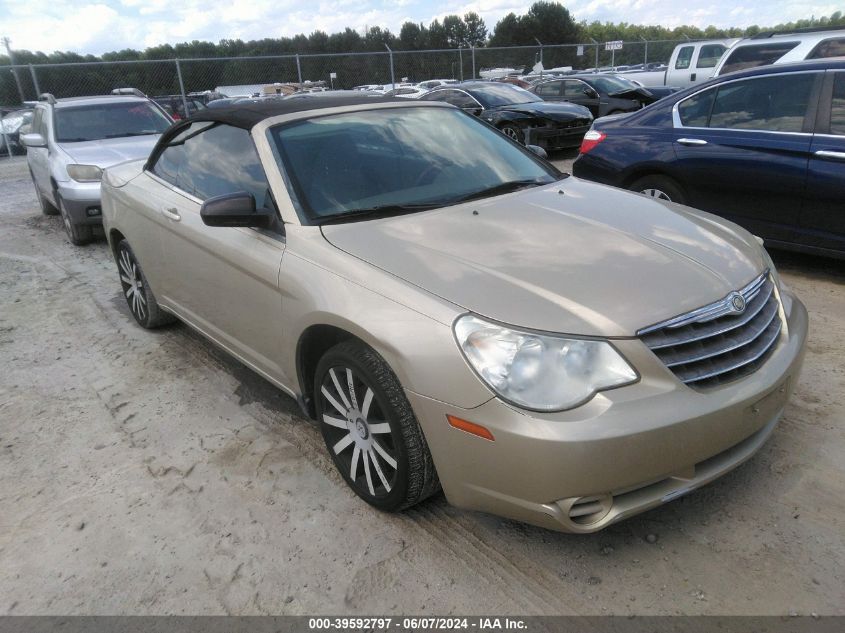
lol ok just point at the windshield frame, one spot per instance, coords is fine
(151, 105)
(266, 129)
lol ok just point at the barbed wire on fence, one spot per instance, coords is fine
(183, 76)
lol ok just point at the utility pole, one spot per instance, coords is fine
(14, 70)
(392, 76)
(597, 54)
(645, 59)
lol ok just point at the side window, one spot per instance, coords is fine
(837, 108)
(214, 160)
(170, 160)
(461, 99)
(834, 47)
(684, 57)
(756, 55)
(709, 55)
(777, 103)
(437, 95)
(574, 89)
(550, 89)
(695, 111)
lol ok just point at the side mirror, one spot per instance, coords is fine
(33, 140)
(234, 209)
(473, 110)
(537, 150)
(591, 93)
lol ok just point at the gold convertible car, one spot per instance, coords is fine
(457, 313)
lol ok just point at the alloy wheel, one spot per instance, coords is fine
(133, 285)
(656, 193)
(511, 133)
(358, 433)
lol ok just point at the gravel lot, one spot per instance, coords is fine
(148, 473)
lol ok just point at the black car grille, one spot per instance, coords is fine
(719, 343)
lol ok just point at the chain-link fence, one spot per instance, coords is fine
(337, 70)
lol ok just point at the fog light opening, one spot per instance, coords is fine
(92, 211)
(589, 510)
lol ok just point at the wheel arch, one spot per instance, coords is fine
(650, 170)
(311, 346)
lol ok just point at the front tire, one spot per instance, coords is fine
(78, 234)
(659, 187)
(47, 208)
(513, 132)
(369, 429)
(136, 290)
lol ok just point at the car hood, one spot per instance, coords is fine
(574, 257)
(554, 111)
(110, 151)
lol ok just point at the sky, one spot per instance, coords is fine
(90, 26)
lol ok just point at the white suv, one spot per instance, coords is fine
(781, 48)
(72, 140)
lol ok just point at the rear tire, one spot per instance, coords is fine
(659, 187)
(78, 234)
(142, 303)
(370, 430)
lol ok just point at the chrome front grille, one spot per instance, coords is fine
(722, 341)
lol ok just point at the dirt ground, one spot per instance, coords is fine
(148, 473)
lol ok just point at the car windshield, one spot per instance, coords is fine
(108, 120)
(391, 161)
(611, 85)
(501, 94)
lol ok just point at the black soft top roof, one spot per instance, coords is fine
(247, 115)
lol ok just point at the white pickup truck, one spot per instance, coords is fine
(690, 63)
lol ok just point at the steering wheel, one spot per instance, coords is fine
(432, 171)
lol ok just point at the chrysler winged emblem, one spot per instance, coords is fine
(737, 303)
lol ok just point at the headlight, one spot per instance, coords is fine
(540, 372)
(85, 173)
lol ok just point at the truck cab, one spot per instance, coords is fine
(696, 61)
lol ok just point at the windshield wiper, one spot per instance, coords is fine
(503, 187)
(371, 213)
(130, 134)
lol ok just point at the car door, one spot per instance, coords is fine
(742, 150)
(577, 91)
(823, 213)
(222, 280)
(706, 58)
(462, 100)
(679, 72)
(38, 157)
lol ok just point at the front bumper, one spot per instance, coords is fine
(625, 451)
(82, 201)
(557, 136)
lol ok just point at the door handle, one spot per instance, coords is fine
(692, 141)
(824, 153)
(171, 213)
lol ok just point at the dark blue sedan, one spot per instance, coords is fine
(763, 147)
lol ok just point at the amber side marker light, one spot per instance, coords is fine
(470, 427)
